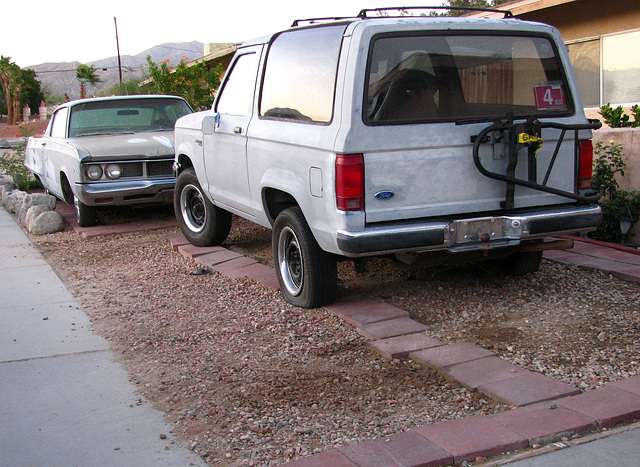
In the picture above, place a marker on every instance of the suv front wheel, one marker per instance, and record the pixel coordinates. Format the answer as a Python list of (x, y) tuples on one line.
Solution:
[(201, 222), (308, 275)]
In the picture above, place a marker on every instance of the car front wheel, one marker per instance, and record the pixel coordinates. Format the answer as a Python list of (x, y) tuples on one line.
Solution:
[(86, 214), (308, 275), (201, 222)]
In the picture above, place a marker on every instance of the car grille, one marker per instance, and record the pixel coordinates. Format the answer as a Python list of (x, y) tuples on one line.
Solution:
[(147, 169)]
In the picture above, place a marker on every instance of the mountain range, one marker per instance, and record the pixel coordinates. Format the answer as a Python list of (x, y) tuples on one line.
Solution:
[(59, 78)]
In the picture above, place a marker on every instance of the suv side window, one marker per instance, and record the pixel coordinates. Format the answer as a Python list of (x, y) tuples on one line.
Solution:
[(236, 98), (300, 76)]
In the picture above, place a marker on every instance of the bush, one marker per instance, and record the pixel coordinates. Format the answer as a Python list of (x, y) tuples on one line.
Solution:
[(12, 164), (615, 203), (616, 118)]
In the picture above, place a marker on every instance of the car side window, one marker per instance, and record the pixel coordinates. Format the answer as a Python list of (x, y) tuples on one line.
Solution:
[(59, 126), (236, 97), (300, 75)]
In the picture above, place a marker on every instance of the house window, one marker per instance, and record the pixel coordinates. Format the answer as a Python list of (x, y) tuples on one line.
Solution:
[(608, 69)]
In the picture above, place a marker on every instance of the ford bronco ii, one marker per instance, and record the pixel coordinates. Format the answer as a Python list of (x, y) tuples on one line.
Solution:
[(431, 140)]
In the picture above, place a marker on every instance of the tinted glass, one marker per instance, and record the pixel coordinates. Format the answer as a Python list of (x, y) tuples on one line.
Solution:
[(237, 95), (126, 116), (422, 78), (300, 75)]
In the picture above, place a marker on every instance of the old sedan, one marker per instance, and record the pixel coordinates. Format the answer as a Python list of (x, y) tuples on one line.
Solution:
[(108, 151)]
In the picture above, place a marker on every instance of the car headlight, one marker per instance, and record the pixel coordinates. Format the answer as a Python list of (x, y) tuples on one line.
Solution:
[(113, 171), (93, 172)]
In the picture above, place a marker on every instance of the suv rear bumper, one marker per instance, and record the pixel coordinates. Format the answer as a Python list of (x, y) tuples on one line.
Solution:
[(469, 234)]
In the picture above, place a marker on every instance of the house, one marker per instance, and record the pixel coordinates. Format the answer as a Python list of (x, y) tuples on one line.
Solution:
[(603, 39)]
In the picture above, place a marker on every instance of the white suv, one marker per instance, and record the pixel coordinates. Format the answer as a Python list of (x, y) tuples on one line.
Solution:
[(419, 138)]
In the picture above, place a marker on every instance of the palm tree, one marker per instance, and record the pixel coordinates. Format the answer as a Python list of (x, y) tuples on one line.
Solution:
[(9, 74), (86, 74)]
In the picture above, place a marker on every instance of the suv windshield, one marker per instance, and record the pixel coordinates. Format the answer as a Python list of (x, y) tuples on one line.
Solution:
[(460, 77), (125, 116)]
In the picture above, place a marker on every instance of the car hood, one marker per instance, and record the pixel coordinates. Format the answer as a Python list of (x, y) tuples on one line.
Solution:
[(145, 145)]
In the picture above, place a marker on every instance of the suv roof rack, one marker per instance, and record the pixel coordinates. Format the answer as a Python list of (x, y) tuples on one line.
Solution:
[(363, 13)]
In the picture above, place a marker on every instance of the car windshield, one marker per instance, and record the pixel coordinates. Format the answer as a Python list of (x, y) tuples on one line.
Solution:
[(125, 116), (462, 78)]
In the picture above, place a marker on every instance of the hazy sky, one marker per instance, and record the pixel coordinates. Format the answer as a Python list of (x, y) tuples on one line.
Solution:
[(68, 30)]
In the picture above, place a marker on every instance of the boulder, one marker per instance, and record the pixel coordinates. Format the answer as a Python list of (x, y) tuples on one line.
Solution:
[(6, 187), (46, 223), (13, 203), (33, 199), (33, 212)]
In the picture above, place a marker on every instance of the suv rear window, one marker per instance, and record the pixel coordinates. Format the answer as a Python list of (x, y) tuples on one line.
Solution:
[(459, 77), (300, 76)]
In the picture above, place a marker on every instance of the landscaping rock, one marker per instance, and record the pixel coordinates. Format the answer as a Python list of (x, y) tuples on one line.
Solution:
[(33, 212), (40, 199), (14, 201), (47, 222), (6, 187)]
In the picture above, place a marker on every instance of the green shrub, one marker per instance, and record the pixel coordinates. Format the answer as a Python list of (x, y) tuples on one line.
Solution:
[(616, 118), (12, 164), (615, 203)]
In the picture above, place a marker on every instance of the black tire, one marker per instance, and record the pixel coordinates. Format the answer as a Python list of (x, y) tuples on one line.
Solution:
[(523, 262), (201, 222), (308, 275), (86, 214)]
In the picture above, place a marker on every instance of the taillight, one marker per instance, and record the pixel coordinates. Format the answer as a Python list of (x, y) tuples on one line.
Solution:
[(585, 164), (350, 182)]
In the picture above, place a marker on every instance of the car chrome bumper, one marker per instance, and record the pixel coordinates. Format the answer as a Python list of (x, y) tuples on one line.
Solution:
[(469, 234), (126, 192)]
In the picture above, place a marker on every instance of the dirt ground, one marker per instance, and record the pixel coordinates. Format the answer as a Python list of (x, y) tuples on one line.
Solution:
[(248, 379), (35, 128)]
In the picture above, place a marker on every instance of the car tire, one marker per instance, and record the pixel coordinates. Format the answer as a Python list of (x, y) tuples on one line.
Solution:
[(86, 214), (523, 262), (201, 222), (308, 275)]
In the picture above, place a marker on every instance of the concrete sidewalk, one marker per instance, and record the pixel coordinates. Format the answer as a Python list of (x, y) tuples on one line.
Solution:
[(63, 399)]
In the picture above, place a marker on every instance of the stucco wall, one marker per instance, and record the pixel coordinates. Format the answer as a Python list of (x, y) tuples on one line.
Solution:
[(629, 138)]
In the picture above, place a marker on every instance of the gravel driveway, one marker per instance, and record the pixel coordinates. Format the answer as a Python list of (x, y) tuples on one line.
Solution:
[(249, 379)]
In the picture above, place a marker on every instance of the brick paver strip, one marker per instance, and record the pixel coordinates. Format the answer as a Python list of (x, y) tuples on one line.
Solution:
[(545, 422), (178, 241), (481, 371), (527, 388), (450, 354), (358, 310), (324, 459), (391, 328), (216, 257), (607, 405), (402, 449), (234, 268), (401, 346), (631, 274), (469, 437), (263, 274), (192, 251), (630, 384)]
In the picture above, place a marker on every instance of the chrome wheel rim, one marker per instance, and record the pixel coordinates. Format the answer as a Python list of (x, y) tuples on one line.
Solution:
[(290, 261), (193, 208)]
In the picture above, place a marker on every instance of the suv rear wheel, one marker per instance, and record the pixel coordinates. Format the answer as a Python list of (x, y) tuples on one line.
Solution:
[(308, 275), (201, 222)]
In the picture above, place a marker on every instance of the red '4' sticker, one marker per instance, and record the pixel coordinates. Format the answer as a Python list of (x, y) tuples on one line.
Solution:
[(550, 97)]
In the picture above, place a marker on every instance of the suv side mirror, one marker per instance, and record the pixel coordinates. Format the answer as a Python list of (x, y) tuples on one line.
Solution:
[(210, 123)]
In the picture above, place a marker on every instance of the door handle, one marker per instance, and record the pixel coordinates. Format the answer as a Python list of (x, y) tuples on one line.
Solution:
[(237, 130)]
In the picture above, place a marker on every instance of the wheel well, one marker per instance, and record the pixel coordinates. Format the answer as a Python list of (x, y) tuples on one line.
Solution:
[(184, 162), (67, 193), (277, 201)]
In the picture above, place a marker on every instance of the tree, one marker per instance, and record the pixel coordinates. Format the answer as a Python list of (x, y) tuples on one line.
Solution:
[(86, 74), (472, 4), (11, 80), (194, 82), (32, 94)]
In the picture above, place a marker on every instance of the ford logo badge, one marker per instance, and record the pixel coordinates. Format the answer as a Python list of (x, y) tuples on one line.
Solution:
[(384, 195)]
